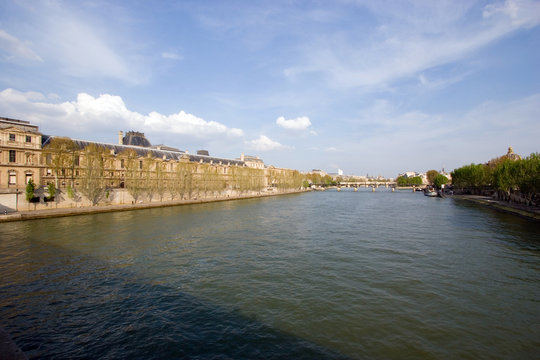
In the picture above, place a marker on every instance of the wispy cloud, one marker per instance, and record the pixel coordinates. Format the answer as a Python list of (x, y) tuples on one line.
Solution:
[(428, 35), (264, 143), (444, 140), (15, 48), (172, 55), (75, 43)]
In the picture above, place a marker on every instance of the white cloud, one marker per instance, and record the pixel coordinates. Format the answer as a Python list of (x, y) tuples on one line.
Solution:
[(16, 48), (264, 143), (300, 123), (105, 113)]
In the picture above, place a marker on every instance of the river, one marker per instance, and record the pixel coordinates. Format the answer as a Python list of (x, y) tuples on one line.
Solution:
[(322, 275)]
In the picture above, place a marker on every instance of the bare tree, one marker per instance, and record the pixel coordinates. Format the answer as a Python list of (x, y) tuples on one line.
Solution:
[(60, 154), (93, 180), (132, 174)]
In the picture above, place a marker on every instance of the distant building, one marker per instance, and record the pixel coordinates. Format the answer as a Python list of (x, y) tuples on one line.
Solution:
[(135, 138), (319, 172), (252, 161), (511, 155)]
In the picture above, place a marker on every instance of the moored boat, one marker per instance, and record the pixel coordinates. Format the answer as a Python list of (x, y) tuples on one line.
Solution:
[(430, 192)]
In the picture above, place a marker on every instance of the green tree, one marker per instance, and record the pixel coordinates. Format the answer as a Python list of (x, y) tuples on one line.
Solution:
[(473, 176), (52, 191), (30, 188), (440, 180), (70, 192), (431, 174), (409, 181)]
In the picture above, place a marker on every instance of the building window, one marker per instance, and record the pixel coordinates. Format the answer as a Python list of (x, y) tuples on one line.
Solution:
[(28, 139), (28, 178), (140, 164), (121, 163), (48, 159), (12, 178), (11, 137), (77, 160), (12, 156), (49, 172)]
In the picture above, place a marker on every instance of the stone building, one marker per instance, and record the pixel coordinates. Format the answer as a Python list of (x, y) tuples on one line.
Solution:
[(511, 155), (88, 172), (20, 154)]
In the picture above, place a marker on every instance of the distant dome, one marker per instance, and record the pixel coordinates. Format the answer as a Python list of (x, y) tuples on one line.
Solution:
[(136, 139), (511, 155)]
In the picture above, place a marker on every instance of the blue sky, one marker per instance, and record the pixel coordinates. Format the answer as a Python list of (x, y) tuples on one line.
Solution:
[(369, 87)]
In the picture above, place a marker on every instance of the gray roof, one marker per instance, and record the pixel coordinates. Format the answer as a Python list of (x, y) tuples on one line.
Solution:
[(143, 152), (19, 124)]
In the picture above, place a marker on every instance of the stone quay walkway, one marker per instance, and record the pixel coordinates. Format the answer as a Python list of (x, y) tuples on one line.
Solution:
[(61, 212), (528, 212)]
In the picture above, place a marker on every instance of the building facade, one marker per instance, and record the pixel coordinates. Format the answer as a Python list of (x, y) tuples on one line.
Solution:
[(20, 154), (93, 172)]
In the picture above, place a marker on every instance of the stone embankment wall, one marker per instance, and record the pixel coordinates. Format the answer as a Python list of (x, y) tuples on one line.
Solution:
[(513, 197), (518, 198), (123, 197)]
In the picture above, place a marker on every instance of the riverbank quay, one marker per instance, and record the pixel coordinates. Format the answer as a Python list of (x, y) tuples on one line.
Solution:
[(524, 211), (63, 212)]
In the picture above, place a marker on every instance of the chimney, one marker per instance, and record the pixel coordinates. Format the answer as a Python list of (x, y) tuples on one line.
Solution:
[(120, 138)]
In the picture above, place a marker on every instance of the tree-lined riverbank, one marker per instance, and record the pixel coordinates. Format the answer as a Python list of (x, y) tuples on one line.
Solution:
[(62, 212)]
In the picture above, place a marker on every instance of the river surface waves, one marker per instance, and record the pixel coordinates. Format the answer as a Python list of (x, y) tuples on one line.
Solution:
[(325, 275)]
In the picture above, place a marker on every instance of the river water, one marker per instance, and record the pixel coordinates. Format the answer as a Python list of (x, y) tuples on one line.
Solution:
[(324, 275)]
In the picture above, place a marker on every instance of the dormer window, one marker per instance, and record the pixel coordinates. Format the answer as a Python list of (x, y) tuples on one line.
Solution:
[(11, 137)]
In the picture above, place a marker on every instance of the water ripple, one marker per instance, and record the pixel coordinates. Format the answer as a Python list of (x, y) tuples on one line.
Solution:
[(321, 275)]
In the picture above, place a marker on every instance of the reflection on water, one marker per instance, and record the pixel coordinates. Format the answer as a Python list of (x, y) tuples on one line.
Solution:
[(318, 275)]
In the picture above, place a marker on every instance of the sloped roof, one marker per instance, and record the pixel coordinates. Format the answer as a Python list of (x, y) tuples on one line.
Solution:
[(144, 152), (21, 125)]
